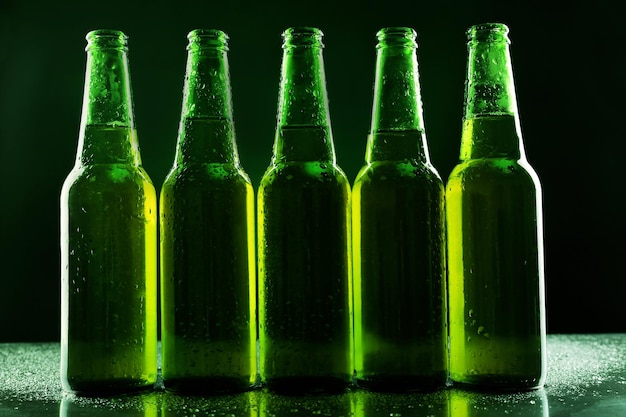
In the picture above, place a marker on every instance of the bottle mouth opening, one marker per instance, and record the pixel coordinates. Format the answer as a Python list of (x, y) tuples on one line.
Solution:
[(106, 38), (488, 32), (396, 36), (207, 38), (302, 36)]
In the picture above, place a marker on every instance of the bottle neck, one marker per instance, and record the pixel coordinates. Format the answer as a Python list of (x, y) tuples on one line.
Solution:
[(397, 130), (107, 131), (491, 127), (303, 132), (206, 132)]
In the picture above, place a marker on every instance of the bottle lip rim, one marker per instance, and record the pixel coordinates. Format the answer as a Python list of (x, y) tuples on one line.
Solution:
[(302, 36), (486, 29), (106, 33), (207, 38), (405, 31), (209, 33), (106, 38), (303, 31), (396, 36)]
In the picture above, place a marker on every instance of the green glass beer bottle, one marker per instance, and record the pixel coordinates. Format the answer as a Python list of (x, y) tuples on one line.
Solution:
[(400, 322), (208, 289), (305, 298), (108, 238), (495, 232)]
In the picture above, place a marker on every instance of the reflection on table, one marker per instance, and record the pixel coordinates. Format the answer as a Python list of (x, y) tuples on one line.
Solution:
[(586, 378)]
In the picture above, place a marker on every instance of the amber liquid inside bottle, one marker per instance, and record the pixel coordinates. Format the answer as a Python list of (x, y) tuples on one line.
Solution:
[(399, 270), (207, 254), (495, 281), (108, 209), (304, 286)]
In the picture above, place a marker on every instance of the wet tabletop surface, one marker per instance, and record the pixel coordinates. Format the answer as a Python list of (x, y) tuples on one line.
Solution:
[(586, 378)]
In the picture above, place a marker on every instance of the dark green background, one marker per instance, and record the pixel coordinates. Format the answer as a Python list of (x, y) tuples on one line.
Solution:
[(570, 75)]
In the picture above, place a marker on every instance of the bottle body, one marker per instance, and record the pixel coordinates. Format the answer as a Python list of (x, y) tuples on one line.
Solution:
[(208, 279), (399, 277), (207, 248), (108, 284), (495, 233), (304, 287), (497, 323)]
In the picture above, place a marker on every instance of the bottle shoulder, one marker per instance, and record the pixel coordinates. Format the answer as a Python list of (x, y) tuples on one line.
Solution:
[(202, 175), (104, 179), (306, 174), (494, 170), (398, 172), (107, 174)]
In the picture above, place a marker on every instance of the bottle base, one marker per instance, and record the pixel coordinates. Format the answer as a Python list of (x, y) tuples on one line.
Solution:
[(402, 383), (107, 388), (306, 385), (207, 385), (497, 384)]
